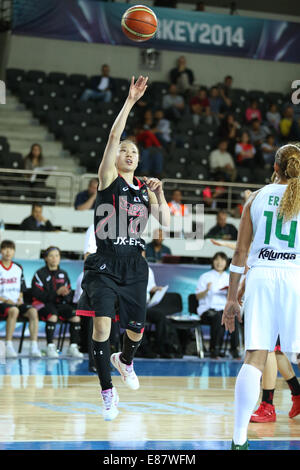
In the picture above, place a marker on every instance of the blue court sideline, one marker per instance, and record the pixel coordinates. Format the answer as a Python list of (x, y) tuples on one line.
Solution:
[(146, 445)]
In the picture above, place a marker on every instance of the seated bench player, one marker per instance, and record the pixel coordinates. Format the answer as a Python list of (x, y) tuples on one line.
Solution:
[(53, 298), (12, 306)]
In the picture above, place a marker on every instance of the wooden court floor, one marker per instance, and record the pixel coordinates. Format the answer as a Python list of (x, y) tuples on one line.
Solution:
[(165, 408)]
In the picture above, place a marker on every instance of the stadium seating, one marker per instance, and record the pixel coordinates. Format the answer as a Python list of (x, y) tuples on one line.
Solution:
[(57, 78), (83, 127), (14, 78)]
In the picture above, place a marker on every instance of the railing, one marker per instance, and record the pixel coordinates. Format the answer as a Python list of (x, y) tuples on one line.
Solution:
[(233, 195), (27, 186)]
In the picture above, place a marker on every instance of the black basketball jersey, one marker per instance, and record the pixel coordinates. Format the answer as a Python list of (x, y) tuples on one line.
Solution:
[(121, 215)]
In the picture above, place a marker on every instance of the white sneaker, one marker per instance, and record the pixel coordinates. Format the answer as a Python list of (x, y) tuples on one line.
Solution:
[(73, 351), (51, 351), (110, 399), (10, 353), (128, 375), (35, 352)]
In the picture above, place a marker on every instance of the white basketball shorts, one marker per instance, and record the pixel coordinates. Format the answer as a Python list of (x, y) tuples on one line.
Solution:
[(272, 308)]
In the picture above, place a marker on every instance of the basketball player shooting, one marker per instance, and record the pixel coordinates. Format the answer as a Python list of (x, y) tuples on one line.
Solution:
[(118, 271)]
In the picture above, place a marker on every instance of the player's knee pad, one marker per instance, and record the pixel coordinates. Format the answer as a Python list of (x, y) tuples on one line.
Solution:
[(136, 327)]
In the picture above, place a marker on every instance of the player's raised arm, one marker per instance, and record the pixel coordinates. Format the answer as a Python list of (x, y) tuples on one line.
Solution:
[(107, 170)]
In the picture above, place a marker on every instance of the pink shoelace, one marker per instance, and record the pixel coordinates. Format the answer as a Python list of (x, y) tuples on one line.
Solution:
[(129, 369), (107, 396)]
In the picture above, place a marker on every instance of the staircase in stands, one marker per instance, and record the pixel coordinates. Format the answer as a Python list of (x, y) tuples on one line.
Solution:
[(22, 130)]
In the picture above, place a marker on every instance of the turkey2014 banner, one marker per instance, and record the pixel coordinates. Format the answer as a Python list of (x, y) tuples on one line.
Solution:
[(100, 22)]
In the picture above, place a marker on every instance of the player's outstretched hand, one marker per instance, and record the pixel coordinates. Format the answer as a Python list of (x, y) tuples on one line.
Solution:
[(216, 242), (231, 310), (138, 88), (154, 184)]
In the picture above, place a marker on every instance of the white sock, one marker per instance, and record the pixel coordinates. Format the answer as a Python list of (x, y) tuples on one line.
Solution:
[(247, 389), (9, 343), (33, 344)]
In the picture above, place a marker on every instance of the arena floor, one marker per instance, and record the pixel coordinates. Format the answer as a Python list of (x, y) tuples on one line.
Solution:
[(181, 404)]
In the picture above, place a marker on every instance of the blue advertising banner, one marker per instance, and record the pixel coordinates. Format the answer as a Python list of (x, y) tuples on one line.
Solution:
[(181, 278), (100, 22)]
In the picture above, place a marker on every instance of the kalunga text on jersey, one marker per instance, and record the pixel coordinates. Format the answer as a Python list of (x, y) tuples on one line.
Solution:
[(273, 255)]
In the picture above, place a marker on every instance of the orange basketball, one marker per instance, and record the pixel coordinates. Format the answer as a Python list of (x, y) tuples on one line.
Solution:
[(139, 23)]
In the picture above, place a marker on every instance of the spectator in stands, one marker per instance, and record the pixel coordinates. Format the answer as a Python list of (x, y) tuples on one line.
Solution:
[(162, 128), (228, 130), (158, 125), (257, 132), (222, 229), (211, 293), (155, 250), (288, 126), (173, 104), (273, 117), (253, 112), (220, 160), (101, 88), (34, 158), (36, 221), (12, 305), (268, 149), (200, 108), (85, 200), (52, 297), (216, 104), (151, 155), (181, 76), (245, 151), (211, 196), (225, 89), (34, 162), (215, 197), (176, 206)]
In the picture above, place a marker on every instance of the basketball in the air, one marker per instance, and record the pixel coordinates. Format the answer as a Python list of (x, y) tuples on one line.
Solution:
[(139, 23)]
